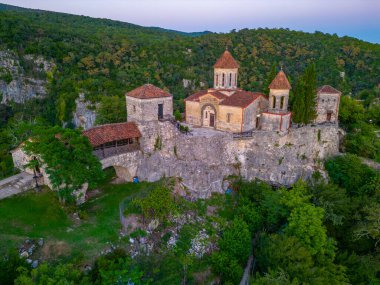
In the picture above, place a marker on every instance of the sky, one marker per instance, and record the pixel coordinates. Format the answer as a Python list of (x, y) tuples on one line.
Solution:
[(356, 18)]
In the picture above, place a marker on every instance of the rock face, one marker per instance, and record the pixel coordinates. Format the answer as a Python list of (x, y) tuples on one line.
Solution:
[(85, 113), (23, 78), (205, 159)]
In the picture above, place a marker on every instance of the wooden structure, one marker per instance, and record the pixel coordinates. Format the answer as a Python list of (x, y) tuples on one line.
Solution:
[(113, 139)]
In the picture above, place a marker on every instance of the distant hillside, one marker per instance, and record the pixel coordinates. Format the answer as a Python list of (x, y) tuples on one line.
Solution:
[(101, 57)]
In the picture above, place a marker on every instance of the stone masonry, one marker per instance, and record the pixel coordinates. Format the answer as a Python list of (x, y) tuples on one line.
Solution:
[(204, 160)]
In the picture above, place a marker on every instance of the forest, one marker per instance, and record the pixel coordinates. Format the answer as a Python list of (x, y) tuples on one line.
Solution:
[(317, 232)]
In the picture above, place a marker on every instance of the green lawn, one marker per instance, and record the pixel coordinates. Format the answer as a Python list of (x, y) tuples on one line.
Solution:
[(36, 215)]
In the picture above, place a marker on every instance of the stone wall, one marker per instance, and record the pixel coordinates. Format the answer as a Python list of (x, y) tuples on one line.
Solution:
[(147, 109), (235, 118), (275, 122), (327, 103), (205, 159)]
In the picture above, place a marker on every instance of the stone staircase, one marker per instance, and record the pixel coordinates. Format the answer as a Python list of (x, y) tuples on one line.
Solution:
[(16, 184)]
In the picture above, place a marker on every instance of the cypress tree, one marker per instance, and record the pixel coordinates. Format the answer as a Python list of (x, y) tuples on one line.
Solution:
[(299, 102), (305, 97), (310, 93), (270, 76)]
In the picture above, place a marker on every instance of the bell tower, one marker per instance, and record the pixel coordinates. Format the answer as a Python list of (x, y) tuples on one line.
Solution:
[(279, 93), (226, 72)]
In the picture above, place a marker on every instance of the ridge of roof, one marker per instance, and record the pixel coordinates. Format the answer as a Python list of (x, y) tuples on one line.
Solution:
[(280, 82), (148, 91), (328, 89), (226, 60)]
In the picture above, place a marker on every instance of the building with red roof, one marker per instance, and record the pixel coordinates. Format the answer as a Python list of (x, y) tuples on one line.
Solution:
[(111, 139), (328, 100), (226, 107), (149, 103)]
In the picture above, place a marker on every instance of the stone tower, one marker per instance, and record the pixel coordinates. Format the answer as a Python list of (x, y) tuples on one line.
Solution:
[(277, 118), (226, 72), (279, 94)]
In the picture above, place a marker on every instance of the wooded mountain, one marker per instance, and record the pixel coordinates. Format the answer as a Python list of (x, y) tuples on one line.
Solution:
[(106, 58)]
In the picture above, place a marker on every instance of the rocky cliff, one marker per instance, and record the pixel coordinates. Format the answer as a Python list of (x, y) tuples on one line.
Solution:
[(207, 157), (84, 115), (23, 78)]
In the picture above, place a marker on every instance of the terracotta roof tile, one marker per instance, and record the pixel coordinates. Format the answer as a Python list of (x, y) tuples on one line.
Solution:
[(280, 82), (148, 91), (111, 132), (328, 89), (226, 61), (195, 97), (241, 99)]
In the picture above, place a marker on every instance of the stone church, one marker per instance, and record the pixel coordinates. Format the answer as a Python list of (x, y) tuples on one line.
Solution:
[(227, 107)]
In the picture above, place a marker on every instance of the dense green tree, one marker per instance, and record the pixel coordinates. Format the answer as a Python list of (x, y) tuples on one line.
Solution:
[(270, 76), (350, 112), (9, 267), (111, 110), (350, 173), (67, 158), (159, 204), (305, 97), (46, 274), (298, 102), (306, 223)]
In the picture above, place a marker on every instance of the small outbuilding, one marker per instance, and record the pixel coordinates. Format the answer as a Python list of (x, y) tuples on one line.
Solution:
[(149, 103), (327, 104)]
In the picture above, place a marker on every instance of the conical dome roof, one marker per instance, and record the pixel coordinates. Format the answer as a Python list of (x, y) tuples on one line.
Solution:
[(226, 61), (280, 82)]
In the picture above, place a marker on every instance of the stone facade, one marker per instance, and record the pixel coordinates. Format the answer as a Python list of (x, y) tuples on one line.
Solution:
[(148, 109), (225, 78), (228, 108), (275, 122), (328, 101)]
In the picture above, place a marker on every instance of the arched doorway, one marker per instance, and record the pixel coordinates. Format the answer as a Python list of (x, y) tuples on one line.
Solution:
[(208, 116)]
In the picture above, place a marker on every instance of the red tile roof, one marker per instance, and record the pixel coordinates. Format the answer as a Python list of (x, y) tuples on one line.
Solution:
[(148, 91), (195, 97), (328, 89), (280, 82), (241, 99), (111, 132), (226, 61)]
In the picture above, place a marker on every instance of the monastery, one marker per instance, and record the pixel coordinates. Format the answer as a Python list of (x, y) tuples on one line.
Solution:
[(150, 145), (227, 107)]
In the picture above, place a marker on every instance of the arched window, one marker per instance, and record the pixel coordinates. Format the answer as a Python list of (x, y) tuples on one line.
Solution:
[(217, 80), (230, 83), (274, 102), (223, 79)]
